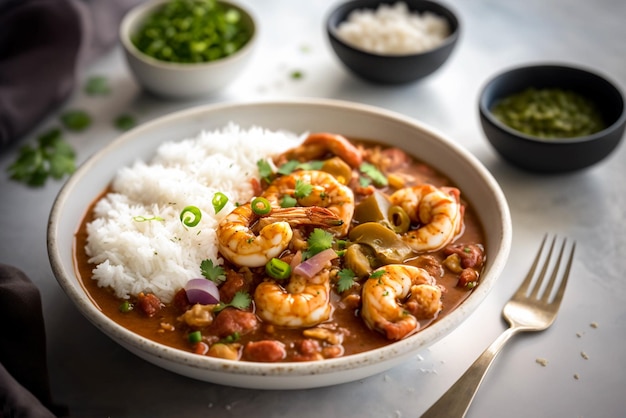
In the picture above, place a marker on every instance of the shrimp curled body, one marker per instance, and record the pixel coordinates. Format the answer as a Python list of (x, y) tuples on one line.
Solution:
[(396, 297), (302, 303), (320, 144), (437, 210), (327, 192), (239, 244)]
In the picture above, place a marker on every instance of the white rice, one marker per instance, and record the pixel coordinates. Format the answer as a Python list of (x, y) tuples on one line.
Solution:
[(393, 30), (161, 255)]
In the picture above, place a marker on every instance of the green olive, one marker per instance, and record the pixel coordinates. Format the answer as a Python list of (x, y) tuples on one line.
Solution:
[(386, 244), (399, 219), (357, 258), (339, 169), (374, 208)]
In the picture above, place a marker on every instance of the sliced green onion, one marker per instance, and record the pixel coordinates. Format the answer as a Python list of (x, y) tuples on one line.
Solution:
[(190, 216), (400, 221), (261, 206), (126, 306), (141, 218), (194, 337), (278, 269), (219, 201)]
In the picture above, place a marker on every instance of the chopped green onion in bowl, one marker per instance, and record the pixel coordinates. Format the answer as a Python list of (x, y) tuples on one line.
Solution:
[(192, 31)]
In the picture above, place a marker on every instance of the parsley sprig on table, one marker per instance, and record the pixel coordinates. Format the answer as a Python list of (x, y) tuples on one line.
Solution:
[(75, 120), (51, 156)]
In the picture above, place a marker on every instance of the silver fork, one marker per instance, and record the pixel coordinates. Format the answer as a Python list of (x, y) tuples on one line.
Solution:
[(529, 309)]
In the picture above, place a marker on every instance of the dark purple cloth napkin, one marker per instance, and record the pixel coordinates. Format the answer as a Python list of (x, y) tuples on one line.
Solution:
[(43, 46), (24, 384)]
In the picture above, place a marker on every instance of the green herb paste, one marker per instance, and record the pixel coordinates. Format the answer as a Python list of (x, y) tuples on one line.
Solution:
[(549, 113)]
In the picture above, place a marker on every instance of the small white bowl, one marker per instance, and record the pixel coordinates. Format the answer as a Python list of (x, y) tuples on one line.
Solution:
[(183, 80), (298, 116)]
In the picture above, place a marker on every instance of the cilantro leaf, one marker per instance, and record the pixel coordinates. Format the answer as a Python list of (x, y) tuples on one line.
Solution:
[(212, 272), (76, 120), (50, 157), (124, 122), (311, 165), (346, 280), (288, 202), (265, 170), (302, 189), (319, 240), (374, 174), (293, 165), (377, 274), (61, 162), (97, 86), (288, 167), (241, 300)]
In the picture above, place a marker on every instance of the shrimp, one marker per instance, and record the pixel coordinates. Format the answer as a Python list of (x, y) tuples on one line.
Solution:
[(302, 303), (385, 292), (326, 192), (240, 243), (439, 212), (320, 144)]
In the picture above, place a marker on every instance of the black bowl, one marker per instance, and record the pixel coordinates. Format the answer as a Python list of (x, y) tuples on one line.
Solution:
[(391, 69), (554, 155)]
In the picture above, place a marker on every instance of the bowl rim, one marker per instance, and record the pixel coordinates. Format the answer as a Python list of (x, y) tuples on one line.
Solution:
[(141, 10), (452, 38), (587, 71), (399, 349)]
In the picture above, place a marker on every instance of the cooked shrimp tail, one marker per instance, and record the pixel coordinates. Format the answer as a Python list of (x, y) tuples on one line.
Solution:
[(302, 216), (326, 193)]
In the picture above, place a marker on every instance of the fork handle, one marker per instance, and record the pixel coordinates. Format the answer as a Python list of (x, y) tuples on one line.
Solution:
[(456, 401)]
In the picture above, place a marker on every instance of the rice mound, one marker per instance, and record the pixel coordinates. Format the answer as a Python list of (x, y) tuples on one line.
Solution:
[(394, 30), (137, 239)]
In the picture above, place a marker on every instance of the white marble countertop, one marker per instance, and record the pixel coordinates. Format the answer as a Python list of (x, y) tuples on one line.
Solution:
[(97, 378)]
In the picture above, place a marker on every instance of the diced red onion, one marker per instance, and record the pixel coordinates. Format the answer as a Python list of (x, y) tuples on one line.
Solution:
[(202, 291), (315, 264)]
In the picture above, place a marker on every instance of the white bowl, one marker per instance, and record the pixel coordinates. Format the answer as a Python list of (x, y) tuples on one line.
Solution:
[(182, 81), (298, 116)]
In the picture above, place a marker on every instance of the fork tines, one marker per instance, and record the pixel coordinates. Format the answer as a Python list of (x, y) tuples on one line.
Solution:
[(540, 289)]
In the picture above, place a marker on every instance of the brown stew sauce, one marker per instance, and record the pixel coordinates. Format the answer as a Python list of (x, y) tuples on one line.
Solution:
[(166, 329)]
